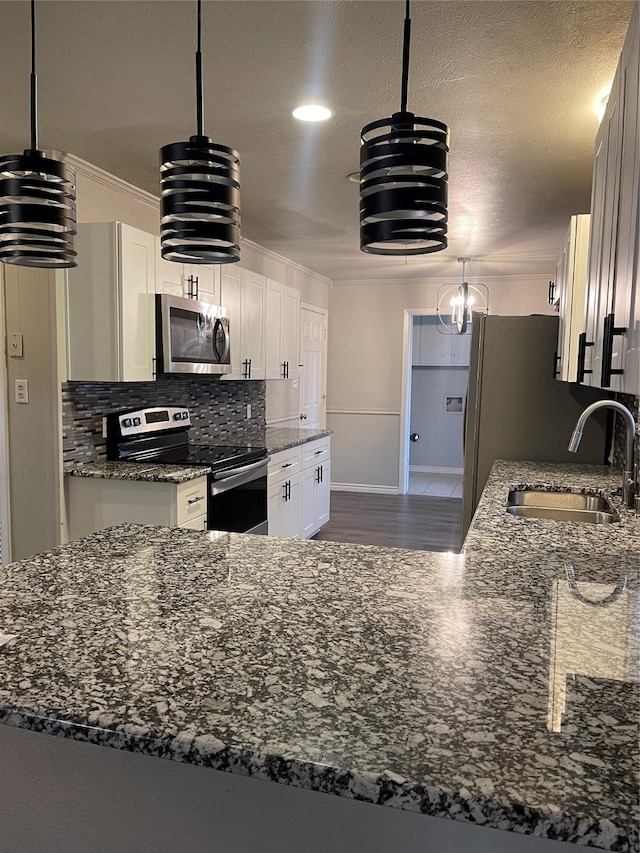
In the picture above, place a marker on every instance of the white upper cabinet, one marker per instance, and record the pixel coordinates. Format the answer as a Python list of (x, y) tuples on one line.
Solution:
[(110, 304), (283, 331), (613, 280), (571, 285), (194, 281), (244, 295), (435, 348)]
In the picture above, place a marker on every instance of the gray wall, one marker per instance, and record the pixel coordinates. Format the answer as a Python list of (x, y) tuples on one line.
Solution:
[(440, 444), (364, 371)]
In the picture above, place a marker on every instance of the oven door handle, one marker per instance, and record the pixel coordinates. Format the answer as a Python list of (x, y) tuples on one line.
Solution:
[(231, 472)]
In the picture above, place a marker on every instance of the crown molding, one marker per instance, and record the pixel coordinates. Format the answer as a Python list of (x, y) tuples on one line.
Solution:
[(107, 179), (433, 279), (112, 181)]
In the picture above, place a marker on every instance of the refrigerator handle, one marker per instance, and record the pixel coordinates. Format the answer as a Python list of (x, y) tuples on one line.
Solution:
[(556, 359)]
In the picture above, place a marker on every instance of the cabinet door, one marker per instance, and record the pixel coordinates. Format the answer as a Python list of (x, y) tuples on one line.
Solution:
[(593, 326), (137, 309), (252, 334), (291, 509), (231, 299), (291, 332), (308, 487), (435, 348), (275, 301), (460, 349), (206, 282), (323, 495), (627, 347), (170, 277)]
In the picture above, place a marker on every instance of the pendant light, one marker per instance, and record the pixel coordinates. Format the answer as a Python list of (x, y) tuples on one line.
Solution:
[(199, 193), (403, 178), (455, 304), (37, 199)]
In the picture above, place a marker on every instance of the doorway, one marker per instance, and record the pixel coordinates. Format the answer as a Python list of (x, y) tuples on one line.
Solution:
[(435, 378)]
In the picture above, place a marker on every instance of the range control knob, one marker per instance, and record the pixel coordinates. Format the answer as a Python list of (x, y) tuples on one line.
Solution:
[(137, 421), (177, 416), (126, 422)]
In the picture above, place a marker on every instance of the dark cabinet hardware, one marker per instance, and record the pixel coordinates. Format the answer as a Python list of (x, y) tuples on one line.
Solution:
[(192, 290), (610, 332), (319, 474), (583, 343), (246, 368), (286, 370), (556, 362), (284, 492), (552, 292), (249, 368), (303, 417), (286, 464), (288, 488), (318, 452)]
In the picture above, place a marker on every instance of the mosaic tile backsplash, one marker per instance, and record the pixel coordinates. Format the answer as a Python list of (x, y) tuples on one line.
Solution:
[(217, 408), (620, 436)]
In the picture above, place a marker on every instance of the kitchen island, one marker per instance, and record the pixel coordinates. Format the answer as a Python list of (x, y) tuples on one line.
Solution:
[(431, 684)]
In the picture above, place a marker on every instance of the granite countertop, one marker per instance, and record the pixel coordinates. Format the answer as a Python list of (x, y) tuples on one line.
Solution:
[(273, 439), (485, 687)]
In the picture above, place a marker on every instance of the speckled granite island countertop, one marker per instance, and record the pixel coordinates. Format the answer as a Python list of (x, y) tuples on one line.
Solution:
[(485, 687), (273, 439)]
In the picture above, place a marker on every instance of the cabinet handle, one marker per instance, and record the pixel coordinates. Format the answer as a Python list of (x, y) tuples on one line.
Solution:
[(583, 343), (286, 370), (322, 473), (286, 464), (153, 367), (194, 500), (303, 417), (192, 292), (556, 360), (552, 292), (248, 368), (318, 452), (317, 474), (610, 331), (284, 492)]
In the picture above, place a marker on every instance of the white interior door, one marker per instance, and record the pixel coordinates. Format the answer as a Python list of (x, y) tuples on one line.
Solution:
[(313, 357)]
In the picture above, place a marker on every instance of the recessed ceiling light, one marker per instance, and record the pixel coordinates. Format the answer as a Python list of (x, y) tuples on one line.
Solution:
[(312, 112)]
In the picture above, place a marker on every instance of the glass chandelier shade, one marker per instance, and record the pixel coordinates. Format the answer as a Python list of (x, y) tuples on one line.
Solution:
[(403, 178), (37, 200), (199, 194)]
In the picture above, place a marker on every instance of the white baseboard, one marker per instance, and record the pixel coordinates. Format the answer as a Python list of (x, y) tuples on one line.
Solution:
[(364, 487), (430, 469)]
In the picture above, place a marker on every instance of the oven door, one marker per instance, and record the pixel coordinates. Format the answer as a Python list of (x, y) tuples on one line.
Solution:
[(191, 336), (238, 499)]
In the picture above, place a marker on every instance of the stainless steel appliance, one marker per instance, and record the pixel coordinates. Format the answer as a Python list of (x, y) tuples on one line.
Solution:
[(515, 407), (191, 336), (237, 484)]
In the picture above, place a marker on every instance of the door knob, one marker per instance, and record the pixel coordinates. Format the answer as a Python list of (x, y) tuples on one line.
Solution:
[(414, 436)]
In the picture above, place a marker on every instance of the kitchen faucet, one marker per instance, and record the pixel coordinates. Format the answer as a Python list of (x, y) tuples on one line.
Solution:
[(630, 486)]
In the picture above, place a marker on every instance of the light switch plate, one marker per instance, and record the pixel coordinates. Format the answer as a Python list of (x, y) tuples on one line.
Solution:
[(22, 391), (14, 344)]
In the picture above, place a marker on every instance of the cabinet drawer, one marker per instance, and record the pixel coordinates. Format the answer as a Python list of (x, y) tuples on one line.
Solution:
[(191, 500), (284, 464), (315, 452)]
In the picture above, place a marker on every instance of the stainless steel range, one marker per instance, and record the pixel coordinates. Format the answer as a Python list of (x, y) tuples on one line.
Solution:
[(237, 484)]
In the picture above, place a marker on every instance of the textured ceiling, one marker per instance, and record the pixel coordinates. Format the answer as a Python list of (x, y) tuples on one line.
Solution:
[(515, 81)]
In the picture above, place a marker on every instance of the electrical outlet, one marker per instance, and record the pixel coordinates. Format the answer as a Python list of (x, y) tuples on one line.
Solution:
[(22, 391), (249, 411)]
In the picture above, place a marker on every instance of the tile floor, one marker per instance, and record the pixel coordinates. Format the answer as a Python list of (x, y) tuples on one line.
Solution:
[(435, 485)]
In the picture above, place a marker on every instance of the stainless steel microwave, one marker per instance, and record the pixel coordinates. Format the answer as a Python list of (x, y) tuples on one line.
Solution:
[(191, 336)]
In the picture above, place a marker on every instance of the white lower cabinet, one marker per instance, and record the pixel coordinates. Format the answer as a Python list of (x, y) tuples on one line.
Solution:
[(96, 503), (299, 490)]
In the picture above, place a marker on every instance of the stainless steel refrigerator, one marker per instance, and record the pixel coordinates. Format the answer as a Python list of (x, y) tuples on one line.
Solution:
[(515, 408)]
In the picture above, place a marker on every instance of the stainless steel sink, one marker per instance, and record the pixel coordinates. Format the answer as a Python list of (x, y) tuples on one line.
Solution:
[(590, 508)]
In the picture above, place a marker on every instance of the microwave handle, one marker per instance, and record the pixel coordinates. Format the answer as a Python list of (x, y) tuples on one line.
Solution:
[(222, 357)]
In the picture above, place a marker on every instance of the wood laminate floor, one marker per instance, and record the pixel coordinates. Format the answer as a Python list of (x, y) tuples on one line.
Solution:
[(402, 521)]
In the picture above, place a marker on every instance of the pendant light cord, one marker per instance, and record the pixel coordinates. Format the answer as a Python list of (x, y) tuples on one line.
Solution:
[(406, 44), (34, 81), (199, 105)]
